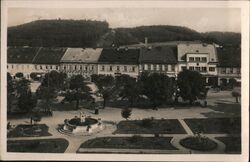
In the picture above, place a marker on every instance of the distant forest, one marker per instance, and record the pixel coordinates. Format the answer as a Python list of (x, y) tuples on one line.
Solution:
[(88, 33)]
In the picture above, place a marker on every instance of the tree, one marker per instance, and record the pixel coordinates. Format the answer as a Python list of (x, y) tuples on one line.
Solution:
[(129, 88), (22, 86), (47, 94), (19, 75), (191, 85), (126, 113), (80, 89), (10, 90), (26, 102), (54, 79), (106, 86), (157, 87)]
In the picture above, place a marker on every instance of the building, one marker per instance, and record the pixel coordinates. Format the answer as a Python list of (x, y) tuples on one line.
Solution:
[(80, 61), (48, 59), (201, 57), (159, 59), (19, 59), (119, 61), (229, 67)]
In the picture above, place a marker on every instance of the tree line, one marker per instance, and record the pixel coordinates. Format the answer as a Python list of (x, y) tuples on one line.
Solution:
[(88, 33)]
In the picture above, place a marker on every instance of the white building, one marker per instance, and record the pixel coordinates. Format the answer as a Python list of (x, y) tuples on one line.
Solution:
[(80, 61), (119, 61)]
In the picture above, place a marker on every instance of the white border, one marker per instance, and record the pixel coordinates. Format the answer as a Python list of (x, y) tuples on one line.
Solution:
[(244, 5)]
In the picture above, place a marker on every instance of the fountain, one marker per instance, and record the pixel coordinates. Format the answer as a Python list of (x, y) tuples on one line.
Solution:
[(82, 125)]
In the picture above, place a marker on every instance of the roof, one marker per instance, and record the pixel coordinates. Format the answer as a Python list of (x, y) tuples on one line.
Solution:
[(160, 55), (49, 55), (229, 56), (199, 48), (23, 55), (120, 56), (82, 55)]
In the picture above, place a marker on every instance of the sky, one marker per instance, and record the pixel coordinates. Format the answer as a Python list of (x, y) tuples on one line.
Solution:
[(199, 19)]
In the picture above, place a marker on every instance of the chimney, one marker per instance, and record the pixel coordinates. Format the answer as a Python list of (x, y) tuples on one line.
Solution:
[(146, 41)]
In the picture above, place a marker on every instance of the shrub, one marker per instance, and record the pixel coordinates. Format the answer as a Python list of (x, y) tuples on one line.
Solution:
[(147, 122), (126, 113), (134, 138), (19, 75)]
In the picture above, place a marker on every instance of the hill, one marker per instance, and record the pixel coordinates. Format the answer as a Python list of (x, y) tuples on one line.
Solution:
[(88, 33)]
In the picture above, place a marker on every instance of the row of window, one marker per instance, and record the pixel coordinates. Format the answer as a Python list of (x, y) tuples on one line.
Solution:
[(230, 71), (78, 67), (156, 67), (46, 67), (197, 59), (197, 68), (17, 66), (118, 68)]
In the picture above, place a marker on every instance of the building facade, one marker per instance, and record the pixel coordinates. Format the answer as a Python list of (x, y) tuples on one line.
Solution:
[(119, 61), (159, 59), (81, 61)]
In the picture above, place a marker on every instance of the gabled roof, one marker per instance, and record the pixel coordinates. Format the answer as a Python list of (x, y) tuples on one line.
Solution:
[(229, 56), (159, 55), (77, 55), (120, 56), (49, 55), (23, 55)]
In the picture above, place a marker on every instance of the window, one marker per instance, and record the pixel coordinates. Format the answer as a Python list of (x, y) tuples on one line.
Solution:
[(86, 68), (149, 67), (125, 68), (191, 58), (183, 68), (172, 68), (191, 68), (41, 67), (154, 67), (238, 70), (160, 67), (103, 68), (197, 68), (75, 67), (56, 67), (197, 50), (133, 69), (46, 67), (64, 67), (7, 66), (204, 69), (145, 67), (12, 66), (92, 67), (35, 66), (80, 67), (223, 70), (197, 59), (204, 59), (118, 68), (231, 70), (211, 68), (110, 68)]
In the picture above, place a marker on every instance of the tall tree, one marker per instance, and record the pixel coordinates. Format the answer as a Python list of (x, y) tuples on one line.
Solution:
[(26, 102), (191, 85), (22, 86), (54, 79), (10, 90), (80, 89), (46, 94), (106, 86), (157, 87)]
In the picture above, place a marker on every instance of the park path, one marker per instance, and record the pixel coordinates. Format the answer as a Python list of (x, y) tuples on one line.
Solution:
[(114, 115)]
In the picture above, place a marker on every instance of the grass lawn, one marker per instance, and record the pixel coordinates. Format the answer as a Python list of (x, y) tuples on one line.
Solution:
[(225, 110), (58, 145), (148, 126), (35, 130), (135, 142), (215, 125), (233, 144)]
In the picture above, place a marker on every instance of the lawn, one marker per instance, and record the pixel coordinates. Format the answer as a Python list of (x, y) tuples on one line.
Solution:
[(38, 146), (35, 130), (149, 126), (215, 125), (233, 144), (224, 110), (134, 142)]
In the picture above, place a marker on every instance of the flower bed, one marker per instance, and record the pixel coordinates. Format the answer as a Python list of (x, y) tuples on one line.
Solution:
[(196, 143)]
